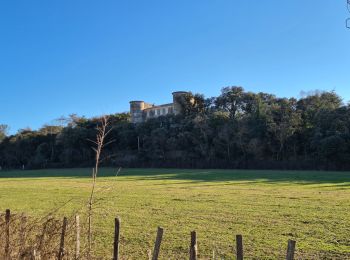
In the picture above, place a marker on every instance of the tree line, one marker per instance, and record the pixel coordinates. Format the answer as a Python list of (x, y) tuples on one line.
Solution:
[(237, 129)]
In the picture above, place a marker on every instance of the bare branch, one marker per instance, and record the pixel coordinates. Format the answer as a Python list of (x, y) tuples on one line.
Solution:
[(102, 132)]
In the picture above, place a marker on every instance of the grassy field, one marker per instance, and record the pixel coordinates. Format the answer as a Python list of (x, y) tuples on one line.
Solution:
[(266, 207)]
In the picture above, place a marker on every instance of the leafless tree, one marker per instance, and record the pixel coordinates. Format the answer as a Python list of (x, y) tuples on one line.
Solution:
[(103, 129)]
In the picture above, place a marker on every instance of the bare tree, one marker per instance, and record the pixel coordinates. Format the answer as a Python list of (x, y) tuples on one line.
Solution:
[(4, 130), (103, 129)]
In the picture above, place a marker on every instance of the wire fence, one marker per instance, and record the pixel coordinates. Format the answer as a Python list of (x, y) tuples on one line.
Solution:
[(49, 238)]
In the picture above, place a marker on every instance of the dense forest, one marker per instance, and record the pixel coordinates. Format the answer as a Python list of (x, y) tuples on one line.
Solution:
[(237, 129)]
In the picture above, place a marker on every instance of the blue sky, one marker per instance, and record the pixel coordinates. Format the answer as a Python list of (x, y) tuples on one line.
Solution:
[(92, 57)]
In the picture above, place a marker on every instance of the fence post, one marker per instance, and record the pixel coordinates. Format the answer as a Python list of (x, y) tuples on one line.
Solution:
[(193, 247), (42, 236), (239, 247), (116, 238), (77, 237), (157, 243), (61, 250), (22, 235), (290, 250), (7, 233)]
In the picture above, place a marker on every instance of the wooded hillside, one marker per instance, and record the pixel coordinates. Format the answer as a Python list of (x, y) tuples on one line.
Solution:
[(237, 129)]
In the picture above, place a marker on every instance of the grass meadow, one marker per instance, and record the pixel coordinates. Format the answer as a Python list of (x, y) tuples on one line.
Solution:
[(266, 207)]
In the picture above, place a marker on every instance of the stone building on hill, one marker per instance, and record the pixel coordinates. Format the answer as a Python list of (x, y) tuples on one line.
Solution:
[(141, 111)]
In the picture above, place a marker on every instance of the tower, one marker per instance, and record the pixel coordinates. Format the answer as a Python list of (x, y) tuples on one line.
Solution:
[(136, 108)]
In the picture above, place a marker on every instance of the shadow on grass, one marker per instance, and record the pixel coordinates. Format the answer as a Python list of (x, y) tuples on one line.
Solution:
[(258, 176)]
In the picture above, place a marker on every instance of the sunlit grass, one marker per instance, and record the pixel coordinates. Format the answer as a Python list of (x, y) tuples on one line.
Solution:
[(266, 207)]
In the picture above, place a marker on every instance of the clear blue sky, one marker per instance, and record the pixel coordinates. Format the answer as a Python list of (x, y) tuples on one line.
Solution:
[(92, 57)]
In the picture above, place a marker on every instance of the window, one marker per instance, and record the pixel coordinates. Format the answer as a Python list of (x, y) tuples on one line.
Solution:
[(164, 112), (158, 112)]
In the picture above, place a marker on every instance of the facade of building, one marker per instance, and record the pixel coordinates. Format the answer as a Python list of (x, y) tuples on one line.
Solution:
[(141, 111)]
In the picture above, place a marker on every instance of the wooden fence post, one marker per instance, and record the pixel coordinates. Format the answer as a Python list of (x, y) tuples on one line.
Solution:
[(239, 247), (157, 243), (290, 250), (193, 247), (61, 249), (22, 235), (7, 233), (42, 237), (77, 237), (116, 238)]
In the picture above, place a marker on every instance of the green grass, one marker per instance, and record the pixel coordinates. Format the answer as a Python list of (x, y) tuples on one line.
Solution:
[(266, 207)]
